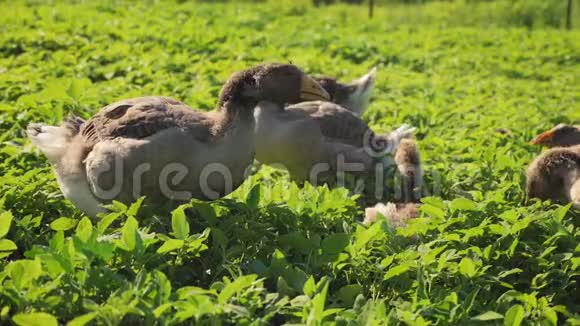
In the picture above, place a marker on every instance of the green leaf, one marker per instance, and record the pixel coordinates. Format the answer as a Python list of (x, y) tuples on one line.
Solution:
[(433, 211), (236, 286), (57, 242), (295, 277), (163, 285), (489, 315), (310, 287), (84, 229), (5, 221), (452, 298), (24, 271), (205, 210), (63, 224), (510, 216), (551, 316), (509, 272), (82, 319), (467, 267), (7, 245), (170, 245), (160, 310), (179, 223), (134, 208), (192, 291), (348, 293), (463, 204), (76, 88), (106, 221), (335, 243), (35, 319), (278, 263), (253, 197), (434, 201), (4, 312), (130, 234), (117, 206), (318, 303), (387, 261), (283, 288), (395, 271), (56, 91), (497, 229), (364, 236), (561, 212), (514, 315), (295, 240)]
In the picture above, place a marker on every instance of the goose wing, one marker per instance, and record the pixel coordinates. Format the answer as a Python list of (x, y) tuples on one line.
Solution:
[(142, 117), (336, 123)]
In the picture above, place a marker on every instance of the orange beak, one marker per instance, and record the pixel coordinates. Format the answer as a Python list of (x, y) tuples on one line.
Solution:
[(543, 138), (310, 90)]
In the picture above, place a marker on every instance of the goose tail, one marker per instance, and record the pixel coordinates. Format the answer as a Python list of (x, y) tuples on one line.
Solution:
[(53, 141), (408, 162), (389, 143)]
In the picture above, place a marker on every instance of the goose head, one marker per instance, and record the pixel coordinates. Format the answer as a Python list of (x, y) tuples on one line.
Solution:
[(354, 96), (276, 83), (562, 135)]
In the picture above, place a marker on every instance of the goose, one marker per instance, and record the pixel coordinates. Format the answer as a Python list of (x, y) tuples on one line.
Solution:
[(555, 174), (160, 148), (317, 139), (561, 135), (354, 96), (396, 214)]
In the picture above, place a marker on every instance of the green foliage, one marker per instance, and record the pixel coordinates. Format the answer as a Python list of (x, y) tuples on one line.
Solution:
[(272, 252)]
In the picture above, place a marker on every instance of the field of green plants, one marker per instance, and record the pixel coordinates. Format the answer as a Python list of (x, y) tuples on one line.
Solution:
[(273, 252)]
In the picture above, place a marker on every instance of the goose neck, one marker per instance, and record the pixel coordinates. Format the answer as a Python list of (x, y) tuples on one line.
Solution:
[(233, 117)]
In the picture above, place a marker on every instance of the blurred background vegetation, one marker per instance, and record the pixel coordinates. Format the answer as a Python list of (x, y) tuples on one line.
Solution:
[(500, 13)]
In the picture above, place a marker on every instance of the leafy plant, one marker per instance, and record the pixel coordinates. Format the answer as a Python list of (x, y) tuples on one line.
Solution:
[(273, 252)]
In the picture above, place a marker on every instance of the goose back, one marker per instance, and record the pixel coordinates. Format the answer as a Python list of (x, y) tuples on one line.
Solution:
[(142, 117), (336, 123)]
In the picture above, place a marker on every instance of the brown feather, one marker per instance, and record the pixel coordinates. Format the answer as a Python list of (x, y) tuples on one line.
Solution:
[(408, 162), (337, 123), (143, 117), (547, 173)]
